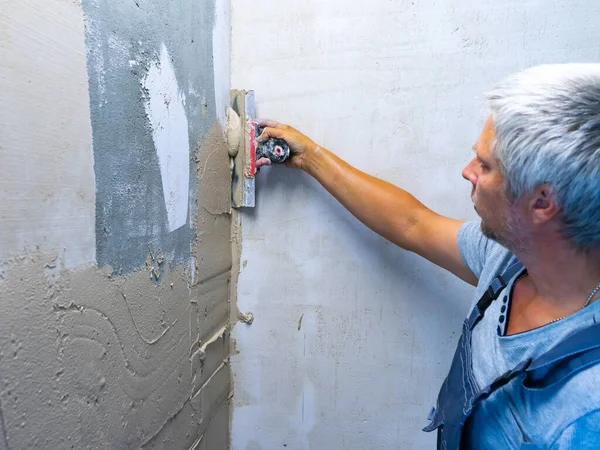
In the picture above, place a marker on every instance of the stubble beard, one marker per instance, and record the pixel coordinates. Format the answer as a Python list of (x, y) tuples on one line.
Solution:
[(509, 233)]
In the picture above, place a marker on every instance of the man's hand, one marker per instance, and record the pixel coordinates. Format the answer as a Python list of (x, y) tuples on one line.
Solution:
[(300, 145)]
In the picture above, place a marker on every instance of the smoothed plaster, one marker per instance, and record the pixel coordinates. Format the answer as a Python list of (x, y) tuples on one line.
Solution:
[(46, 170), (396, 89)]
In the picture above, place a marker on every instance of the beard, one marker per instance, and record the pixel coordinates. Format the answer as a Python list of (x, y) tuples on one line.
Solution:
[(508, 232), (490, 233)]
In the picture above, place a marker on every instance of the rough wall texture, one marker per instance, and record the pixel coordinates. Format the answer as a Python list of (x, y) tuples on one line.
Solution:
[(115, 250), (353, 337)]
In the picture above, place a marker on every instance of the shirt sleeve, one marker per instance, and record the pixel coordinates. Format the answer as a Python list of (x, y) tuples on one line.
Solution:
[(583, 434), (473, 247)]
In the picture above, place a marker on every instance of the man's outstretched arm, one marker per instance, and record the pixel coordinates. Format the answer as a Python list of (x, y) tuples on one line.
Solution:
[(386, 209)]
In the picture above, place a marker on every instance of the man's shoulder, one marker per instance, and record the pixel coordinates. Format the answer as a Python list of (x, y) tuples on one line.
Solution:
[(485, 257)]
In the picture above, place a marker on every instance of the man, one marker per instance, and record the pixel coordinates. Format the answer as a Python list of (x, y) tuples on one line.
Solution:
[(525, 373)]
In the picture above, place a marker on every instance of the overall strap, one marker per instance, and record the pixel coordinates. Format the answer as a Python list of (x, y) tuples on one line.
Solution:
[(575, 353), (493, 291)]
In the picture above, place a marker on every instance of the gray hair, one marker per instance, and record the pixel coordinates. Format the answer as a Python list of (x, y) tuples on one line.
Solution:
[(547, 123)]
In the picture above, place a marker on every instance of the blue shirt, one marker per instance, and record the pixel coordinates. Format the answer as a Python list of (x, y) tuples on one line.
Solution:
[(564, 416)]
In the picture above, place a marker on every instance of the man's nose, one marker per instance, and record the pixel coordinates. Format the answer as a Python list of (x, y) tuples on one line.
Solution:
[(469, 173)]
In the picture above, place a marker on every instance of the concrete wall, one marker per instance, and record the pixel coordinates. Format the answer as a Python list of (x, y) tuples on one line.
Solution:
[(115, 253), (352, 337)]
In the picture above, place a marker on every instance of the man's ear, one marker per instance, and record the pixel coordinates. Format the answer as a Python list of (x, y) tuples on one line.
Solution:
[(542, 204)]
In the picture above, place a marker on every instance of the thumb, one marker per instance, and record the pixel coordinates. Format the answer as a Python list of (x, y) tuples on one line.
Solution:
[(270, 133)]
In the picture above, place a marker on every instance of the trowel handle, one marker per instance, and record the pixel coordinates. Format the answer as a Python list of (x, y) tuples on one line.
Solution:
[(276, 150)]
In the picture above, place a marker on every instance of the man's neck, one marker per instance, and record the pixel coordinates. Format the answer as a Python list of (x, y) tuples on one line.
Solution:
[(560, 278)]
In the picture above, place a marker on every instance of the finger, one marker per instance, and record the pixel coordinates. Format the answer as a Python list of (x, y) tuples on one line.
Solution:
[(263, 162), (270, 124), (269, 133)]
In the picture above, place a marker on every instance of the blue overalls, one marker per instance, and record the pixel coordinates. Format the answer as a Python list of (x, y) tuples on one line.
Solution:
[(460, 394)]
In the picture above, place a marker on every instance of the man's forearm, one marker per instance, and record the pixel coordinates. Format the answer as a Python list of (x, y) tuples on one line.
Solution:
[(383, 207)]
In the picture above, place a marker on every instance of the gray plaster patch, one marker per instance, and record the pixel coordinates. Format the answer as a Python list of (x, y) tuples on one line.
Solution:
[(92, 360), (123, 39)]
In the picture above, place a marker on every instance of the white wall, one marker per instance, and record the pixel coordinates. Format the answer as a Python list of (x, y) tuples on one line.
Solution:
[(395, 88), (47, 185)]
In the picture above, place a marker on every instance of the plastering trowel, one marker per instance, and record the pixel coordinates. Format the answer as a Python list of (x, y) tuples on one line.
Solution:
[(245, 150)]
